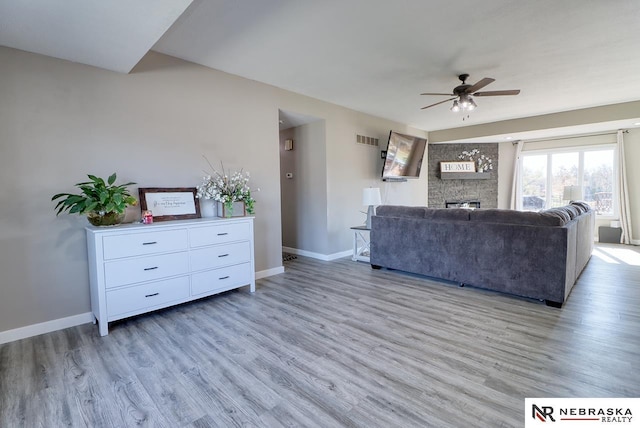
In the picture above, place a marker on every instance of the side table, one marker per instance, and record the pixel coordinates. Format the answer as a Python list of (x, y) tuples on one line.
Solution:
[(361, 243)]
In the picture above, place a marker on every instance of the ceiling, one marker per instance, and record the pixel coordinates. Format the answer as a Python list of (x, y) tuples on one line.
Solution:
[(372, 56)]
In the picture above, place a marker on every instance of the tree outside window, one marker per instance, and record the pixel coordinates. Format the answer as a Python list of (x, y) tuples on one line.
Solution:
[(545, 175)]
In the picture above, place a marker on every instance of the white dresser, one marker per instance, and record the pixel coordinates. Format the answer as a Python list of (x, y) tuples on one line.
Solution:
[(137, 268)]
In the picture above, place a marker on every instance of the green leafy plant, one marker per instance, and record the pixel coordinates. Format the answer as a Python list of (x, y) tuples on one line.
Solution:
[(97, 196)]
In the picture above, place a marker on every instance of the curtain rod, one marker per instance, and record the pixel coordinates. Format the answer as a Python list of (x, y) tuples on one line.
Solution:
[(568, 137)]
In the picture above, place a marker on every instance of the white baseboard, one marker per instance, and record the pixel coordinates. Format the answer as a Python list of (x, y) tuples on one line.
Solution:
[(324, 257), (74, 320), (45, 327), (269, 272), (340, 255), (633, 241)]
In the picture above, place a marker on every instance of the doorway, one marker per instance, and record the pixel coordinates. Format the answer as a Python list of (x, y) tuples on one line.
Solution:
[(302, 184)]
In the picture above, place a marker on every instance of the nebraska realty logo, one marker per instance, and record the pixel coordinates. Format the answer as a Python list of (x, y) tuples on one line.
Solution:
[(582, 412)]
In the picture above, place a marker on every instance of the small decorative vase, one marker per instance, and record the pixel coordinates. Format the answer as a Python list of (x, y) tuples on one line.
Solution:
[(105, 219), (207, 208)]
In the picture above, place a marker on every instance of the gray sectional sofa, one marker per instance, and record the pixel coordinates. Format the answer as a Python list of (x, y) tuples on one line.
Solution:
[(531, 254)]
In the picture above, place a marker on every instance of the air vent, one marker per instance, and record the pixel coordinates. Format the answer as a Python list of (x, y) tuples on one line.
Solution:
[(367, 141)]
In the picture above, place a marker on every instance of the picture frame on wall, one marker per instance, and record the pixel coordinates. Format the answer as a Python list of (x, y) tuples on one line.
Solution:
[(170, 203)]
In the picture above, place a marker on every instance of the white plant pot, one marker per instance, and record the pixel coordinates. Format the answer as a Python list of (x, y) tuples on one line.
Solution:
[(207, 208)]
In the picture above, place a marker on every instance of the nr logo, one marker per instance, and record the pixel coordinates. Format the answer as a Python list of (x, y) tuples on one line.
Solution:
[(542, 413)]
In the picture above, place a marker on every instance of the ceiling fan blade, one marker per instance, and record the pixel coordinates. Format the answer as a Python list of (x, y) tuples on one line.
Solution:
[(441, 102), (441, 95), (481, 84), (494, 93)]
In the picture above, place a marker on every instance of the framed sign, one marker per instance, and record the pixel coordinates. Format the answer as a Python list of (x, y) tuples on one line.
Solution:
[(457, 167), (170, 203)]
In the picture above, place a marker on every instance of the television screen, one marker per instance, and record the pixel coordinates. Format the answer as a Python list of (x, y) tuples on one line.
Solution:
[(404, 156)]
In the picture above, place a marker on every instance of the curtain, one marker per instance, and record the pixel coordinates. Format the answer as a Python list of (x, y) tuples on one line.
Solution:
[(623, 193), (516, 188)]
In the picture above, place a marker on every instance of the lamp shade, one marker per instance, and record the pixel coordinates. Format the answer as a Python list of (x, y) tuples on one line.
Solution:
[(371, 196), (572, 193)]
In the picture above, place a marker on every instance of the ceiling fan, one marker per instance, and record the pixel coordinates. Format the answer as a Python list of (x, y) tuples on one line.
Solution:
[(463, 94)]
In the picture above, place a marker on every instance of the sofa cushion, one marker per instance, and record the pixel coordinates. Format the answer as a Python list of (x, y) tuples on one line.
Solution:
[(559, 213), (459, 214), (400, 211), (527, 218), (572, 210), (582, 206), (423, 212)]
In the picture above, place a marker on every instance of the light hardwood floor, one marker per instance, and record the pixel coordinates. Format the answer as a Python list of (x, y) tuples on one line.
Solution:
[(336, 344)]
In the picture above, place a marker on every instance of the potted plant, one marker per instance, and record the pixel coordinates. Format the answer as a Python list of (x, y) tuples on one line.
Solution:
[(103, 202)]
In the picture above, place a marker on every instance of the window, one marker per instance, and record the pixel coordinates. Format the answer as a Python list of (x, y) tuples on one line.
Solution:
[(546, 174), (534, 182), (598, 181)]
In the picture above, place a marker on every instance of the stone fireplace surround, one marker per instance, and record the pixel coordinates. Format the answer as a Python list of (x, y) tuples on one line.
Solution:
[(453, 190)]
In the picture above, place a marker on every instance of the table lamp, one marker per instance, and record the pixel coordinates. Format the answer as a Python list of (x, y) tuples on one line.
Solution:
[(371, 197), (572, 193)]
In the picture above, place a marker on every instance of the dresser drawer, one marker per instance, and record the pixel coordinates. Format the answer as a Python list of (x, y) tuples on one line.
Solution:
[(140, 297), (140, 244), (219, 234), (130, 271), (221, 255), (220, 279)]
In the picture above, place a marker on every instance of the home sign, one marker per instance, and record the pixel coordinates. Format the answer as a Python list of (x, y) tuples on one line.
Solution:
[(457, 167)]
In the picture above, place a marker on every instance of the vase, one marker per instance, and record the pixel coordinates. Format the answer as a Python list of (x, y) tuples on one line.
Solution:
[(207, 208), (105, 219), (233, 209)]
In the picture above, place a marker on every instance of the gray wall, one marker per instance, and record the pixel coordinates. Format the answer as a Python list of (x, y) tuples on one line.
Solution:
[(304, 197), (60, 120), (440, 191), (288, 194)]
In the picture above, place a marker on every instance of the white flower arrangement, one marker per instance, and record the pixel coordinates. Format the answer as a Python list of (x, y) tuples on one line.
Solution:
[(483, 163), (227, 188)]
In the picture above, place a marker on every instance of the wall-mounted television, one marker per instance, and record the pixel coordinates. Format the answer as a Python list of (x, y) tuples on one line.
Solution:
[(404, 156)]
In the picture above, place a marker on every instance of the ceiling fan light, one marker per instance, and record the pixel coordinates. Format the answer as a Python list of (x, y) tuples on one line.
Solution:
[(472, 105), (455, 108)]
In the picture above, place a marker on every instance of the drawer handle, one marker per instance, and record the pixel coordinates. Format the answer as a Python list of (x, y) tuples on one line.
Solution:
[(224, 277), (151, 295), (150, 243), (151, 268), (223, 255), (222, 234)]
